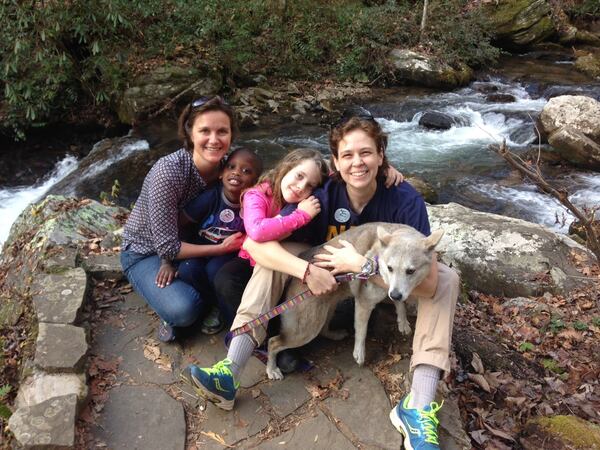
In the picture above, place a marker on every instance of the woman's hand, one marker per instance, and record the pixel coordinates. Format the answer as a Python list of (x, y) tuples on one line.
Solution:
[(393, 177), (311, 206), (340, 260), (166, 274), (232, 243)]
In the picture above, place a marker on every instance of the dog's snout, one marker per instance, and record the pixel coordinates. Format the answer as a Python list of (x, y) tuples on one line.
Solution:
[(396, 295)]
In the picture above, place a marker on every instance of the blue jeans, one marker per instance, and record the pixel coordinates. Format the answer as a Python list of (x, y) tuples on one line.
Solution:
[(178, 304)]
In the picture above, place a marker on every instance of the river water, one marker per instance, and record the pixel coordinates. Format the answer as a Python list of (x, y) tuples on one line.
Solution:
[(457, 162)]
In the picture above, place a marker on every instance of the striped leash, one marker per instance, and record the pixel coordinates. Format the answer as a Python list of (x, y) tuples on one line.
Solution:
[(263, 319)]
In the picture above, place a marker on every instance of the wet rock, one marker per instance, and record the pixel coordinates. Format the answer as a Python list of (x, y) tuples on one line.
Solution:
[(42, 386), (500, 98), (103, 266), (426, 190), (149, 91), (58, 298), (557, 91), (505, 256), (519, 23), (589, 64), (422, 70), (47, 425), (560, 432), (571, 35), (141, 417), (435, 120), (572, 124), (60, 348)]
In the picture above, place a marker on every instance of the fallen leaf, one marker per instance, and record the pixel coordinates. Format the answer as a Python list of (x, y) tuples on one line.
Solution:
[(216, 437), (480, 381), (499, 433), (477, 363)]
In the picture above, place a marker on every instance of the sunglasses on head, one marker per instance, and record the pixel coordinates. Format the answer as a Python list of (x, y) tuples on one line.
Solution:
[(347, 115), (205, 99)]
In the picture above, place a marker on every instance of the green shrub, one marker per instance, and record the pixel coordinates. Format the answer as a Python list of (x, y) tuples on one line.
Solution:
[(57, 56)]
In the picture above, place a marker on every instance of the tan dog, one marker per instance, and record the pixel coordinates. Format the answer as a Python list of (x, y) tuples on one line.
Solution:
[(404, 257)]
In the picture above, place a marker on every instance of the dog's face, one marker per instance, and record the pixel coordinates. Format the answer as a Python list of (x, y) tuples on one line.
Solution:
[(405, 259)]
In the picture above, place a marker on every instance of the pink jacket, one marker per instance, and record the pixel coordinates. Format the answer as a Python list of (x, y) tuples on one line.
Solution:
[(260, 225)]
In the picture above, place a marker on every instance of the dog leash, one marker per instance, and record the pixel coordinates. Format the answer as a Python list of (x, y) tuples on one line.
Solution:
[(264, 318)]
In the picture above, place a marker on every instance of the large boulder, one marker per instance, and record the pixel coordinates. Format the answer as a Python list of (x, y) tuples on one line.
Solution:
[(572, 124), (150, 90), (504, 256), (423, 70), (50, 227), (519, 23)]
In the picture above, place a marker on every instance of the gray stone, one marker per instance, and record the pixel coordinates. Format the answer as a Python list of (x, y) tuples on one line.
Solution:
[(364, 412), (576, 148), (254, 373), (103, 266), (47, 425), (416, 68), (141, 417), (65, 258), (286, 395), (452, 434), (504, 256), (10, 312), (60, 348), (316, 432), (42, 386), (247, 419), (58, 298)]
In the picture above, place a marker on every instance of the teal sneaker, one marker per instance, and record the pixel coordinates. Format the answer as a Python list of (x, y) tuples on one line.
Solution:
[(419, 426), (215, 384)]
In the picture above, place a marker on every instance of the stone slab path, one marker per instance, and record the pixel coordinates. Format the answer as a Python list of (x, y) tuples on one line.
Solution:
[(141, 404)]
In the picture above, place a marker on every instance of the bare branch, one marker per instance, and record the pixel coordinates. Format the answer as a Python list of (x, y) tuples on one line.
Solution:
[(586, 217)]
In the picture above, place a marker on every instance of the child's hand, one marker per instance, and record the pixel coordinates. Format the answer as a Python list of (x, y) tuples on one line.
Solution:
[(232, 243), (166, 274), (393, 177), (311, 206)]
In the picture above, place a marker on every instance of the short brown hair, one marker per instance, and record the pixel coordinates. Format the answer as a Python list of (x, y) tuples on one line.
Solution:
[(197, 108), (371, 127), (287, 163)]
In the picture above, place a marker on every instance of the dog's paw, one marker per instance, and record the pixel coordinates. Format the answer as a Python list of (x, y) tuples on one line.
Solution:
[(359, 355), (274, 374), (404, 327), (335, 335)]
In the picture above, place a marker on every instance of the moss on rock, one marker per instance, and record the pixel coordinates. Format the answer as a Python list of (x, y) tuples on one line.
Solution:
[(568, 432)]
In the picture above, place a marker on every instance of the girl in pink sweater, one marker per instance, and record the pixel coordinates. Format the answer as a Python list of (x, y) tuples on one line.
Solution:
[(291, 181)]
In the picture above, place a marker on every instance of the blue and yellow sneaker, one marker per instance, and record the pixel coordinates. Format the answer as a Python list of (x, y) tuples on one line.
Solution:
[(215, 384), (419, 426)]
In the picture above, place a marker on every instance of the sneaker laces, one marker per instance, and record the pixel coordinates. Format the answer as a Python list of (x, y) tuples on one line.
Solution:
[(430, 422), (220, 368)]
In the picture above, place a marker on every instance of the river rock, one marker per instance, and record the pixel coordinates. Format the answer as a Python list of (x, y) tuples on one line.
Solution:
[(571, 35), (436, 120), (560, 432), (60, 348), (519, 23), (152, 89), (103, 266), (423, 70), (504, 256), (572, 124), (47, 425), (589, 64), (500, 98), (41, 386), (426, 190)]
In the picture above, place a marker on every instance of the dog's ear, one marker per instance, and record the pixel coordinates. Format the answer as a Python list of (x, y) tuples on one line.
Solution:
[(433, 239), (383, 235)]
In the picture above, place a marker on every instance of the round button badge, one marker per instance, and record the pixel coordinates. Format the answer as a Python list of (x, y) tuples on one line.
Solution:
[(227, 216), (342, 215)]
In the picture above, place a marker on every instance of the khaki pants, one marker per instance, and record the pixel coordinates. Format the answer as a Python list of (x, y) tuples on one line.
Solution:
[(435, 316)]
